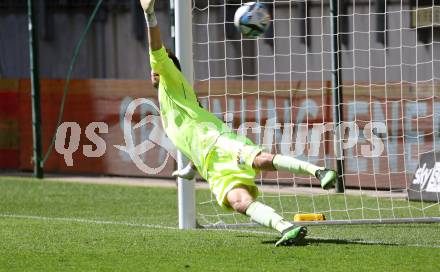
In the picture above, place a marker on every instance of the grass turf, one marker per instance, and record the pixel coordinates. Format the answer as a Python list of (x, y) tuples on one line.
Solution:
[(41, 229)]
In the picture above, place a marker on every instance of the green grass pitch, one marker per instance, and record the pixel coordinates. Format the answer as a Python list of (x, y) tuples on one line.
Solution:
[(56, 226)]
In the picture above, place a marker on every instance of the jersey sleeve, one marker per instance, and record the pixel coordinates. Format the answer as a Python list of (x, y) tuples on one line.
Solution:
[(173, 81), (162, 64)]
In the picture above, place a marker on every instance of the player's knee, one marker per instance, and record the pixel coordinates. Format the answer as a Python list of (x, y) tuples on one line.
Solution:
[(241, 205), (240, 199)]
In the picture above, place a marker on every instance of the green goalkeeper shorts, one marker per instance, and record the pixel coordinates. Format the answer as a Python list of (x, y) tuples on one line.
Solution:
[(229, 165)]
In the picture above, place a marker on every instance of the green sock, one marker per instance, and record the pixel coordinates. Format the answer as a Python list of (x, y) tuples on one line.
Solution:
[(293, 165), (266, 216)]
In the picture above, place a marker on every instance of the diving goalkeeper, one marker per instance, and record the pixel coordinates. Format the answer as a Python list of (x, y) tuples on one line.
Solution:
[(228, 162)]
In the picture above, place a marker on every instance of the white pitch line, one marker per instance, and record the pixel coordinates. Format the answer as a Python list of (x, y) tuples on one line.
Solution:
[(87, 221), (151, 226), (384, 243)]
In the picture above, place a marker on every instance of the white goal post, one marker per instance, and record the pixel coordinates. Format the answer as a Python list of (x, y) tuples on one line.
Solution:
[(184, 51), (278, 90)]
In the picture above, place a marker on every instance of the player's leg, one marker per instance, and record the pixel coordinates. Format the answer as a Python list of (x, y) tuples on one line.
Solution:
[(243, 202), (270, 162)]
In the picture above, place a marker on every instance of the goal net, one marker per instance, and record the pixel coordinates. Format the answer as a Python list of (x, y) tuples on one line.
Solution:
[(277, 90)]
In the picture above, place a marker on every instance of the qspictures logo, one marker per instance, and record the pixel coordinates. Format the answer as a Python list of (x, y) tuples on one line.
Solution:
[(308, 140), (67, 145), (156, 137)]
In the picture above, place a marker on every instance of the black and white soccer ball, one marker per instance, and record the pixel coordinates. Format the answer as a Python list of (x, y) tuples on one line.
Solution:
[(252, 19)]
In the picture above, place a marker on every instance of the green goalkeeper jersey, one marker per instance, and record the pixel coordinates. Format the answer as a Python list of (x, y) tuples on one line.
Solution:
[(191, 128)]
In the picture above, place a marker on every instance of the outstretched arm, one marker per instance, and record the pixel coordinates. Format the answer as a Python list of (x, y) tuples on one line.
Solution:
[(154, 39)]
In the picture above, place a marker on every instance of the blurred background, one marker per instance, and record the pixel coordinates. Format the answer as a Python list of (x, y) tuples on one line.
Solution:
[(371, 32)]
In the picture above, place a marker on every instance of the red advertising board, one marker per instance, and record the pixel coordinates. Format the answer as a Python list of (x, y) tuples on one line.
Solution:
[(286, 117)]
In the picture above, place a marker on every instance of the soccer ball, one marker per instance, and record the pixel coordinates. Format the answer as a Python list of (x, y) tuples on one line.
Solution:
[(252, 19)]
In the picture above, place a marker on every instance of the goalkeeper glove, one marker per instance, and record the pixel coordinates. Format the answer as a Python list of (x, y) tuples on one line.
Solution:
[(150, 16), (186, 173)]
